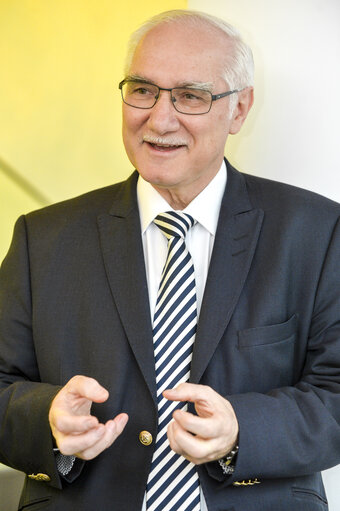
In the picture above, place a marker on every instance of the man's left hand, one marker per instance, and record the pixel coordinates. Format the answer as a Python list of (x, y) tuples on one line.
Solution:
[(210, 434)]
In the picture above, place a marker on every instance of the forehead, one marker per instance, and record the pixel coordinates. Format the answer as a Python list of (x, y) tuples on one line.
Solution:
[(174, 53)]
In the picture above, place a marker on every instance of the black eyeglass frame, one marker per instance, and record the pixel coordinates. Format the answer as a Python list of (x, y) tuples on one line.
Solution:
[(214, 97)]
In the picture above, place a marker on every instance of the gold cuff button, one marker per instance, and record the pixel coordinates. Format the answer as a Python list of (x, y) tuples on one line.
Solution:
[(250, 482), (40, 477), (145, 438)]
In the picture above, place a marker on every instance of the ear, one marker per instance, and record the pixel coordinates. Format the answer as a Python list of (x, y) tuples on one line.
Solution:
[(244, 104)]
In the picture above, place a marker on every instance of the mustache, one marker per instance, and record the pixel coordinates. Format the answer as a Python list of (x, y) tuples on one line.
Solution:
[(164, 141)]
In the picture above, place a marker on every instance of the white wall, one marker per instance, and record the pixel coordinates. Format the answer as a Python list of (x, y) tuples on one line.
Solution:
[(292, 134)]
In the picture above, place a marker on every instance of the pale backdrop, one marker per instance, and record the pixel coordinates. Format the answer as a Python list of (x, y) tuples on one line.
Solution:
[(60, 107), (292, 134)]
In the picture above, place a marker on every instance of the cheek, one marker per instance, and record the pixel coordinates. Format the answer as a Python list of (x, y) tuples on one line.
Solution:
[(218, 132), (133, 119), (211, 131), (130, 132)]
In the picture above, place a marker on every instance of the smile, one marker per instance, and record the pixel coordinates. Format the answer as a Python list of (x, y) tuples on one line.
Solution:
[(164, 147), (160, 145)]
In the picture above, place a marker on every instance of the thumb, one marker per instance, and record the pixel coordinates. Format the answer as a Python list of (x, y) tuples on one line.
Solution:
[(86, 387)]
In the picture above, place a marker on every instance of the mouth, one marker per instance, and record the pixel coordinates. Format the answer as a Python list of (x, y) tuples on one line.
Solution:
[(163, 146)]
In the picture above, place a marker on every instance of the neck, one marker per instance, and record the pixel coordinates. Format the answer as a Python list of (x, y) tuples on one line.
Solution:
[(180, 197), (177, 201)]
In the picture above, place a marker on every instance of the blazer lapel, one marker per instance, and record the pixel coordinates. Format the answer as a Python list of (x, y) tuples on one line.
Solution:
[(122, 250), (236, 239)]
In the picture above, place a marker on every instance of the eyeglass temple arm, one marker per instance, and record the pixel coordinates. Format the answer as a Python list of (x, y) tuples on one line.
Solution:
[(218, 96)]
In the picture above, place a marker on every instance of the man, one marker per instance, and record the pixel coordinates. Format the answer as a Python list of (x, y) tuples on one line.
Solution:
[(85, 407)]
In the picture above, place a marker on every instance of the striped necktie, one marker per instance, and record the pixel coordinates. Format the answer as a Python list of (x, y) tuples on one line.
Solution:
[(173, 483)]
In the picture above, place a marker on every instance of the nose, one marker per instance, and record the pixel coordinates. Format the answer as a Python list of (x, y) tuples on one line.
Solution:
[(163, 117)]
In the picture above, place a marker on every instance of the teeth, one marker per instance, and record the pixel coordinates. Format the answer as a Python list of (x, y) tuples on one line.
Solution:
[(161, 145)]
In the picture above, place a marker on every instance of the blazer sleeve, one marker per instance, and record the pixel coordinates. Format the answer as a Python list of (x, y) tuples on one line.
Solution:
[(295, 431), (25, 437)]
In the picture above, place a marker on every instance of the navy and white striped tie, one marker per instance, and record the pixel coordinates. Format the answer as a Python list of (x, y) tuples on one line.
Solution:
[(173, 483)]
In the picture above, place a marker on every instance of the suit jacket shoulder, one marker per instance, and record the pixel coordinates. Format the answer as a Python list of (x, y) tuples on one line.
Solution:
[(269, 194), (91, 203)]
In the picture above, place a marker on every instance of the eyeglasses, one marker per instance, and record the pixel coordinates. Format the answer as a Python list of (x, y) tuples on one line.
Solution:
[(185, 100)]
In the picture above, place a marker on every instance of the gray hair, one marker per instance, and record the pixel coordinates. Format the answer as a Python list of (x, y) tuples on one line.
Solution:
[(239, 69)]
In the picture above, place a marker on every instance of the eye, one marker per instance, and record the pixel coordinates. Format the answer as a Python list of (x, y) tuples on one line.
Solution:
[(193, 97), (189, 96), (141, 90)]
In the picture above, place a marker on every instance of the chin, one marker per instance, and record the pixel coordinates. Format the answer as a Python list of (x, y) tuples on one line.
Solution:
[(159, 182), (157, 177)]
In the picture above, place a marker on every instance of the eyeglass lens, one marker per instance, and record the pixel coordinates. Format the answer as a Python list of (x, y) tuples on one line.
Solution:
[(185, 100)]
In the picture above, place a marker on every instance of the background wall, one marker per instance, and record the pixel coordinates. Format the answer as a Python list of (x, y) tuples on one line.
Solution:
[(292, 133), (60, 106)]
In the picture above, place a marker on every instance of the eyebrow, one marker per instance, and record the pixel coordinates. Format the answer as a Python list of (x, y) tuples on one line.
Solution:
[(208, 86), (197, 85)]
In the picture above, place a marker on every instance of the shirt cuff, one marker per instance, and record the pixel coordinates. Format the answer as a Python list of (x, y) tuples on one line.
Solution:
[(64, 463), (228, 462)]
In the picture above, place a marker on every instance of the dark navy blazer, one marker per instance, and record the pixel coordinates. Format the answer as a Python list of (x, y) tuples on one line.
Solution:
[(74, 300)]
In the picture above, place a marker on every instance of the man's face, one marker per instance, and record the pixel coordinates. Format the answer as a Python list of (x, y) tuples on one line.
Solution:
[(170, 56)]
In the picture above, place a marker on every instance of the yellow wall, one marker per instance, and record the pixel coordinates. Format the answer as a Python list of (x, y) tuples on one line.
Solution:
[(60, 120)]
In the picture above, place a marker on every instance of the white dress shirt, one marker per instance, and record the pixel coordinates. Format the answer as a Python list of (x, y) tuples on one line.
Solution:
[(205, 209)]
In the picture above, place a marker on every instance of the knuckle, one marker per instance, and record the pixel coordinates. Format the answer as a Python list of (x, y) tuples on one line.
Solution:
[(64, 448), (211, 431), (110, 441), (171, 442), (58, 423), (211, 456), (181, 386), (88, 455), (79, 381), (211, 391), (174, 446), (204, 388), (200, 453), (75, 380)]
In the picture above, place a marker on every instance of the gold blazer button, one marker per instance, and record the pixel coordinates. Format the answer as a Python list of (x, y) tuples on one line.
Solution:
[(145, 438), (40, 477)]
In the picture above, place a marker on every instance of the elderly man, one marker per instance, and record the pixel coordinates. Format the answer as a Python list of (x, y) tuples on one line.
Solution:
[(173, 342)]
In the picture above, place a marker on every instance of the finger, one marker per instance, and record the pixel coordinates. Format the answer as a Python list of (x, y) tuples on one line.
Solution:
[(113, 428), (85, 387), (199, 426), (193, 448), (120, 423), (72, 444), (193, 393), (221, 426), (72, 424), (184, 443)]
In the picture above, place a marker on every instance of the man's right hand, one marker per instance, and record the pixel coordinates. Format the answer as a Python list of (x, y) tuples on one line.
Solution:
[(75, 430)]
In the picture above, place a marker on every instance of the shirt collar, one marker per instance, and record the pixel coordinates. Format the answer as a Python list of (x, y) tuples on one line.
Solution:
[(205, 208)]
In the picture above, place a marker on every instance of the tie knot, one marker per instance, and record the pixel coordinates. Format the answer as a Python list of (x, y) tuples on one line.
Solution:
[(174, 223)]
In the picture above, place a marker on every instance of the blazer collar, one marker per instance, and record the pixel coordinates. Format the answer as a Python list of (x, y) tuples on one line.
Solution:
[(121, 243), (235, 243)]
